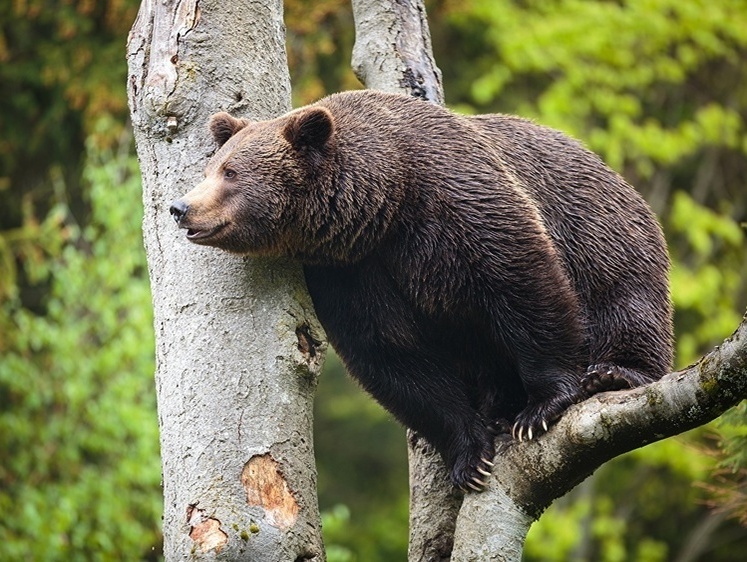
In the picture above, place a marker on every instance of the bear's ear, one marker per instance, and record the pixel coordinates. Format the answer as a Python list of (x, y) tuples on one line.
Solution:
[(224, 126), (309, 128)]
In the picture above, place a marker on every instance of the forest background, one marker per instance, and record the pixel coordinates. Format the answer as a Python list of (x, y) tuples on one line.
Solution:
[(657, 87)]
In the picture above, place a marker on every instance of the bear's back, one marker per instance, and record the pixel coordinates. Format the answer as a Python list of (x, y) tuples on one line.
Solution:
[(594, 216), (609, 241)]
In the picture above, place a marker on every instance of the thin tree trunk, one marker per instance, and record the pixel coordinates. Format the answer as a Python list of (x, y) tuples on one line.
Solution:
[(393, 53), (237, 343), (392, 49)]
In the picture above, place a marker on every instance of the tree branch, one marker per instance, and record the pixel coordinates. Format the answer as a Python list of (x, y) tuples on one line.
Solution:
[(529, 476), (434, 503)]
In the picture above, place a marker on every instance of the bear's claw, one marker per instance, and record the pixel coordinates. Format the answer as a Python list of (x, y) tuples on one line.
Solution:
[(536, 418), (472, 477), (529, 431)]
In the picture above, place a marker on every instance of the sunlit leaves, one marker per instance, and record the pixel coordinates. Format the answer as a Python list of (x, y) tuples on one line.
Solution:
[(703, 291)]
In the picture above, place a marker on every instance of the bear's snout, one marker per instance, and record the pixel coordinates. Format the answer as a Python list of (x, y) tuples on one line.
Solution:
[(178, 210)]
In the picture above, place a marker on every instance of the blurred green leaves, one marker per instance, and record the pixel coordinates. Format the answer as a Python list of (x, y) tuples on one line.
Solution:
[(707, 277), (362, 463), (80, 476)]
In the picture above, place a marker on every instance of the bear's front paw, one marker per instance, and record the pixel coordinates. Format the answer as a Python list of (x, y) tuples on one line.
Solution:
[(537, 417), (472, 467)]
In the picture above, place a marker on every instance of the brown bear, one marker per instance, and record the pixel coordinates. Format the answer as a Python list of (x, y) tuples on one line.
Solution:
[(473, 273)]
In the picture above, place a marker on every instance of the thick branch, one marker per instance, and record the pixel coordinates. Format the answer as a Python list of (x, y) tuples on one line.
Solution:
[(613, 423), (434, 503), (528, 476)]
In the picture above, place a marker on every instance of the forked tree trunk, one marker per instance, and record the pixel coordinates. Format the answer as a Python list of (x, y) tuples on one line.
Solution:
[(393, 53), (237, 343)]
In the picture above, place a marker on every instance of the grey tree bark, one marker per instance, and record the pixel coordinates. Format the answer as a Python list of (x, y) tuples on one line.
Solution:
[(238, 346), (393, 53)]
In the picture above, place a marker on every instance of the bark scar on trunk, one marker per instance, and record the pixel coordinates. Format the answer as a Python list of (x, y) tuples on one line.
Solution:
[(307, 344), (267, 488), (205, 531)]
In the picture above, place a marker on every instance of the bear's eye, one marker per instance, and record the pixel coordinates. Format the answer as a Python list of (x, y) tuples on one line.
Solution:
[(229, 174)]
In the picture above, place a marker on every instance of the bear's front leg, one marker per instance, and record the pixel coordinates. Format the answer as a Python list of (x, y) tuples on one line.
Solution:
[(541, 413), (469, 454)]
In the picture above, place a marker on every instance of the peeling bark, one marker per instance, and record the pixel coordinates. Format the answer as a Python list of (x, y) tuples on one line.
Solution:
[(392, 49), (266, 487), (205, 531), (238, 346)]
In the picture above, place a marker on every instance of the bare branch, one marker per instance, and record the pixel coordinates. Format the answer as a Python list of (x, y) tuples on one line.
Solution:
[(613, 423), (528, 476)]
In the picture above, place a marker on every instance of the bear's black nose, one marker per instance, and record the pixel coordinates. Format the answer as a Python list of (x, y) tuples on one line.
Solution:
[(178, 209)]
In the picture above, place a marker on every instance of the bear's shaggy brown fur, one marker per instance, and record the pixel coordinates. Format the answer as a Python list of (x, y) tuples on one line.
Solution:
[(470, 271)]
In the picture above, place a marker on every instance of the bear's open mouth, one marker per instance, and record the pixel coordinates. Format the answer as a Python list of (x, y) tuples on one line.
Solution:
[(197, 235)]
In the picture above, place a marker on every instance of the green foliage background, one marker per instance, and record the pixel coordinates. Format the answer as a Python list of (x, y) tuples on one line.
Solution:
[(657, 87)]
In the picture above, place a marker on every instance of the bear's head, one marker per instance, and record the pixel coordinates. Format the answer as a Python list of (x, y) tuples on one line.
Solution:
[(262, 186)]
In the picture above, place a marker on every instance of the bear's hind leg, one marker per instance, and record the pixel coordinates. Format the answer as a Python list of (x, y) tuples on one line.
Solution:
[(631, 342)]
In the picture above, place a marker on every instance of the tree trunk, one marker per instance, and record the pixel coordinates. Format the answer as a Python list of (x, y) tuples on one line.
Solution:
[(238, 346)]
